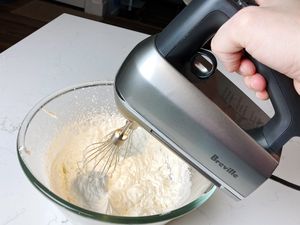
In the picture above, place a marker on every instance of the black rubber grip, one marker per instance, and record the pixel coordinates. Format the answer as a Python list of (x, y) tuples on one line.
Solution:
[(194, 27)]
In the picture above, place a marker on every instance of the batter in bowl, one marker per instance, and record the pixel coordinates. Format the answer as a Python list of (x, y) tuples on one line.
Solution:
[(150, 180)]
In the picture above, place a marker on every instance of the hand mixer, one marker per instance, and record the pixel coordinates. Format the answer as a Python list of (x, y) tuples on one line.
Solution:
[(152, 89)]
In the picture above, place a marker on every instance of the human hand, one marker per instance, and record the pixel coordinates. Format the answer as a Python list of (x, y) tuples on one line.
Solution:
[(270, 33)]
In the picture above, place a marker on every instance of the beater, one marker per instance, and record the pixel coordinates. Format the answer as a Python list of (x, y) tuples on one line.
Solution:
[(103, 156)]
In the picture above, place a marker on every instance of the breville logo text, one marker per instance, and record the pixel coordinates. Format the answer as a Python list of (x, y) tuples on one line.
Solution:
[(229, 170)]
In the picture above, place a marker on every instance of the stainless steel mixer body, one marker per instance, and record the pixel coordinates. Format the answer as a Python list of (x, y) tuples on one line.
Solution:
[(151, 92), (152, 89)]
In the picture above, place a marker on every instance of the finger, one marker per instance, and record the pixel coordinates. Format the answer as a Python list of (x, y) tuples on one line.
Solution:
[(255, 82), (231, 61), (263, 95), (258, 82), (231, 39), (247, 68)]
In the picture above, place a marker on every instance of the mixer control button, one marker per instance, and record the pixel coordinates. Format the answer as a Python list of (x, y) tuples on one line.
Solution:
[(203, 64)]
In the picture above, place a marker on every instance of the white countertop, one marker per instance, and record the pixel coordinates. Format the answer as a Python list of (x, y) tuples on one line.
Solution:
[(72, 50)]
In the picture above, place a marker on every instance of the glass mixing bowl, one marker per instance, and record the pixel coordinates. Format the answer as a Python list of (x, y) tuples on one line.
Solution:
[(48, 118)]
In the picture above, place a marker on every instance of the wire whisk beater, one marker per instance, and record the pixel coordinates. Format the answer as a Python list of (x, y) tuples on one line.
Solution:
[(103, 156)]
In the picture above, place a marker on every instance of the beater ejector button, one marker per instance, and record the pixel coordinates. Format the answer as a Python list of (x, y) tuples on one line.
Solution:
[(203, 64)]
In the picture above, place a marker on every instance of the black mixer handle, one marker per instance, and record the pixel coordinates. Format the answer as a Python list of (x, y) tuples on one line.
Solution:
[(194, 27)]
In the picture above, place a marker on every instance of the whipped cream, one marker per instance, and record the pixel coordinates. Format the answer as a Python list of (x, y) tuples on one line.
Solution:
[(150, 180)]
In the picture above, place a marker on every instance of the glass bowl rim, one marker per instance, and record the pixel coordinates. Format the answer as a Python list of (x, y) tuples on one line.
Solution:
[(79, 210)]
